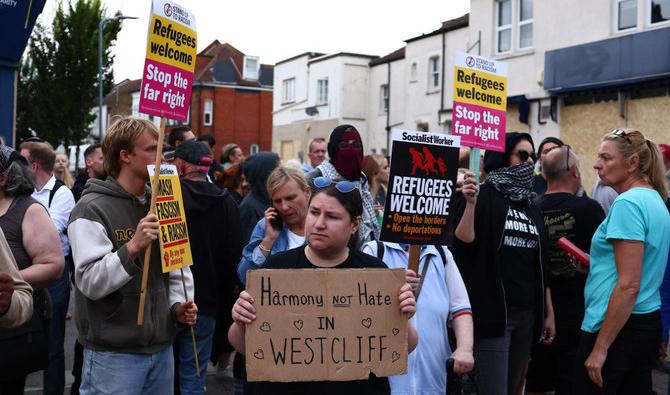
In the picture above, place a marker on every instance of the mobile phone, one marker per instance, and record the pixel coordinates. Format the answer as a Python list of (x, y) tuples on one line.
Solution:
[(574, 251), (277, 223)]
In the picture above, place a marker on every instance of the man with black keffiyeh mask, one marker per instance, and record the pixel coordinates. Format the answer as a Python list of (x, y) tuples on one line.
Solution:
[(345, 152), (500, 247)]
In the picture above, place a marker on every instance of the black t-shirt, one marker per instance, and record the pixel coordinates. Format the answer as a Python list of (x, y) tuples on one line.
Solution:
[(296, 259), (576, 219), (520, 255)]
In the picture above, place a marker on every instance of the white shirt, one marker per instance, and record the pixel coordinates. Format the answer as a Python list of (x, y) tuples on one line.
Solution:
[(60, 209), (294, 240)]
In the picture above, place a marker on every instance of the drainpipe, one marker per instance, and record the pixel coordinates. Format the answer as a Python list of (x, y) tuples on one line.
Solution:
[(444, 47), (388, 111)]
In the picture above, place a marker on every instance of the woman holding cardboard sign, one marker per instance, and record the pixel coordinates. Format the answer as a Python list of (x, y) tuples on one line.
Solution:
[(500, 246), (331, 230)]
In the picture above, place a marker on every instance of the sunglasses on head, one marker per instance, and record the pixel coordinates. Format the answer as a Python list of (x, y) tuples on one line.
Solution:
[(567, 156), (342, 186), (524, 155), (350, 143), (621, 133)]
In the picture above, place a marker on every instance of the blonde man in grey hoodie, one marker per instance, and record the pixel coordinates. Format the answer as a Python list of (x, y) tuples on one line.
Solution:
[(109, 230)]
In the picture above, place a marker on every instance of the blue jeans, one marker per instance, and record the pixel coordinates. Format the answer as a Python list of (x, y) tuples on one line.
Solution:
[(54, 375), (127, 374), (185, 360)]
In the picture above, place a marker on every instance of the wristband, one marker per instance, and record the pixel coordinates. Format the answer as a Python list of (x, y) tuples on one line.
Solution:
[(260, 245)]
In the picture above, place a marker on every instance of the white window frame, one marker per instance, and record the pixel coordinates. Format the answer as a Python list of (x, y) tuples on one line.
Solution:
[(250, 73), (647, 6), (322, 91), (208, 109), (434, 60), (500, 28), (615, 21), (383, 98), (254, 149), (288, 90), (524, 23)]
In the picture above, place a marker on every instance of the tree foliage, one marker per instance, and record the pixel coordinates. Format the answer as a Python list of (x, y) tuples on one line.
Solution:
[(58, 81)]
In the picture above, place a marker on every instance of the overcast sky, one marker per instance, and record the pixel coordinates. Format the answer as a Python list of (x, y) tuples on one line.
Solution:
[(275, 30)]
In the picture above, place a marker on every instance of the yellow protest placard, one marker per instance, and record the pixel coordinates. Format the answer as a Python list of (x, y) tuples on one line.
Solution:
[(480, 102), (173, 238), (167, 78)]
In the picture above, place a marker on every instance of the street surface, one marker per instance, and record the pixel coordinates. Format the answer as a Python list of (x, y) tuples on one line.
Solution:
[(214, 386)]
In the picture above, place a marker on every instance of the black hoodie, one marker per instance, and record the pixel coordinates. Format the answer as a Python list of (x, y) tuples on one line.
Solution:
[(257, 169), (216, 245)]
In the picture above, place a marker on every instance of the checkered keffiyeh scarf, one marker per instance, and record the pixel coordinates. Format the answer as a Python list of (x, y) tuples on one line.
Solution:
[(369, 219), (515, 182)]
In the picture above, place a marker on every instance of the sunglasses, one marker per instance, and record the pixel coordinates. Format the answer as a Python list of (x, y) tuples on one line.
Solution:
[(567, 157), (342, 186), (524, 155), (351, 143), (169, 156), (621, 133)]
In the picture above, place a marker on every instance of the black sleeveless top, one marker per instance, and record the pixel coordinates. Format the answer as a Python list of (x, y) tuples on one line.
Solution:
[(10, 223)]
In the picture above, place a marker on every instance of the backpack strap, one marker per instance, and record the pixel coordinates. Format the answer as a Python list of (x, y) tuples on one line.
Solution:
[(442, 254), (380, 250), (57, 185)]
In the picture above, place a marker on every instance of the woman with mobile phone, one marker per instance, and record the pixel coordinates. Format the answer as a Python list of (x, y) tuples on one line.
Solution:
[(283, 226), (331, 232)]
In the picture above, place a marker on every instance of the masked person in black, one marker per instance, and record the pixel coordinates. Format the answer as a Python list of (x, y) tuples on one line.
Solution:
[(500, 246), (345, 152)]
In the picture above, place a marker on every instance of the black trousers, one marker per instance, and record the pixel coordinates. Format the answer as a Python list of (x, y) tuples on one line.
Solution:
[(627, 369)]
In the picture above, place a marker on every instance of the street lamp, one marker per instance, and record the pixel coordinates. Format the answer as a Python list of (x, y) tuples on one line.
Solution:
[(101, 27)]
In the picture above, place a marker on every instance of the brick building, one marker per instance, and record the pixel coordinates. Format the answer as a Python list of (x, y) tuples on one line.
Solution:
[(232, 98)]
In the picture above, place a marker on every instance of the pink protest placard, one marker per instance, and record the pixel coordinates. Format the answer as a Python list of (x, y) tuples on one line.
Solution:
[(480, 102), (171, 55)]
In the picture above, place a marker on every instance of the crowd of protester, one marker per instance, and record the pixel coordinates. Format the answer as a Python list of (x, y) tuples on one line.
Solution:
[(498, 309)]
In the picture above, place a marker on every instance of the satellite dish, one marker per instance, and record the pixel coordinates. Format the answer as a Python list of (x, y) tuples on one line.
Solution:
[(311, 111)]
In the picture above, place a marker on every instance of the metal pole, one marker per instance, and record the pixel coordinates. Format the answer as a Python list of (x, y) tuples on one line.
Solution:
[(101, 27)]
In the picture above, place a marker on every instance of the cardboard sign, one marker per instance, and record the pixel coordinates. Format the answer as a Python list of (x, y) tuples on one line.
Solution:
[(170, 61), (422, 182), (325, 324), (480, 102), (173, 238)]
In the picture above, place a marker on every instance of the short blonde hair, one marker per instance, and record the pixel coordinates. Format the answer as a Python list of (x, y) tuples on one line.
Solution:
[(121, 135), (282, 175)]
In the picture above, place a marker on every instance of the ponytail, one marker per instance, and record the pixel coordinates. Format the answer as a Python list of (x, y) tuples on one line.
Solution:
[(656, 170)]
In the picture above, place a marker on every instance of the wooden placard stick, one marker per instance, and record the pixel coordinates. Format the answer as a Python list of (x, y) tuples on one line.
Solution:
[(475, 158), (195, 348), (152, 208), (414, 253)]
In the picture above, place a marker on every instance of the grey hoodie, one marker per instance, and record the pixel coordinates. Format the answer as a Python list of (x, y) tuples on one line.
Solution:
[(108, 281)]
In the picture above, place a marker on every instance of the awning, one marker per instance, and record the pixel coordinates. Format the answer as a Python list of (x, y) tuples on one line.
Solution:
[(616, 62)]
